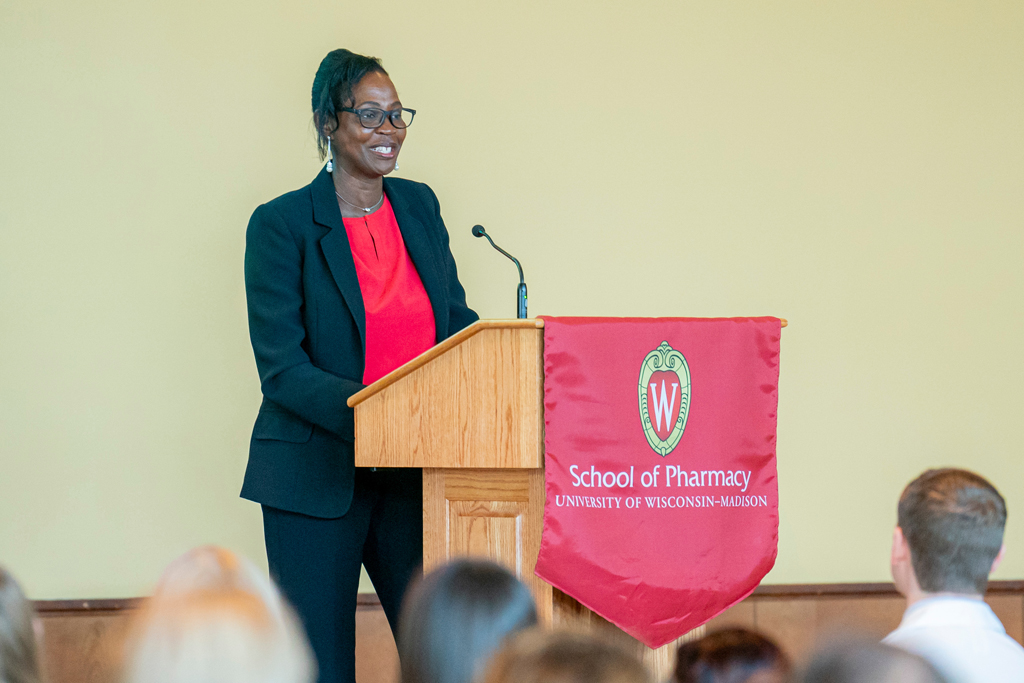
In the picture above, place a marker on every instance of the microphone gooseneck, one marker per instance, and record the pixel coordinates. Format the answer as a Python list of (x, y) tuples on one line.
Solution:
[(478, 231)]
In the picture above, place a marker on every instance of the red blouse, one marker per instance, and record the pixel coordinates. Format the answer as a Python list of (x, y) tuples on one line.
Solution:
[(399, 317)]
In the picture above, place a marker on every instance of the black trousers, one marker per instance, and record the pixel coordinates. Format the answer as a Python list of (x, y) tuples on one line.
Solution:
[(316, 561)]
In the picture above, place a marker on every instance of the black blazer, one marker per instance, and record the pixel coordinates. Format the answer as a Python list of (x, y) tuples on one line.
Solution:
[(308, 325)]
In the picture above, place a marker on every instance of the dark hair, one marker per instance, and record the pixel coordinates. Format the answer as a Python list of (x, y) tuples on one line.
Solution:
[(728, 656), (339, 73), (869, 663), (953, 521), (19, 660), (565, 657), (457, 617)]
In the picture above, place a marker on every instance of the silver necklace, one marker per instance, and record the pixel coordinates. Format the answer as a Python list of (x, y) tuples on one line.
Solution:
[(364, 209)]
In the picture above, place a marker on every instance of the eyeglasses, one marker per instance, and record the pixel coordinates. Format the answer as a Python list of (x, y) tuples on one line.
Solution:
[(374, 118)]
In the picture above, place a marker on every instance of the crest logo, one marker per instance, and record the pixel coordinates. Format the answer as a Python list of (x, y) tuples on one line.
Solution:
[(664, 390)]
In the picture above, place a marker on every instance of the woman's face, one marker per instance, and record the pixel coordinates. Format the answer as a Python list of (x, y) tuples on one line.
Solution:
[(368, 152)]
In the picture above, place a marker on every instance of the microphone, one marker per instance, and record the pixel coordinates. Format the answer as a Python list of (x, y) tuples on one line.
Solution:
[(478, 231)]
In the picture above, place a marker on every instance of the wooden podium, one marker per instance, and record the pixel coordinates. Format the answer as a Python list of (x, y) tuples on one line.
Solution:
[(470, 412)]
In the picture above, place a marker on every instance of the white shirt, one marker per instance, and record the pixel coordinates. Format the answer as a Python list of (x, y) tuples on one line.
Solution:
[(962, 638)]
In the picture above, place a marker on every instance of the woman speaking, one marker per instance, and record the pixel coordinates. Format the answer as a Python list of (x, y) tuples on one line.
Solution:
[(345, 279)]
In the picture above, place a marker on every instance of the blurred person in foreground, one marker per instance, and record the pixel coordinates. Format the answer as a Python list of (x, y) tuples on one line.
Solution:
[(210, 567), (948, 539), (734, 655), (214, 618), (868, 663), (19, 659), (564, 657), (457, 617)]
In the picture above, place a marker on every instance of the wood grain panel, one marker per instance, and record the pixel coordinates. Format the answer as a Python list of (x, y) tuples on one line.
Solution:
[(488, 513), (435, 520), (738, 616), (513, 485), (791, 623), (83, 646), (872, 617), (488, 529), (439, 349), (1010, 610), (477, 404), (542, 591)]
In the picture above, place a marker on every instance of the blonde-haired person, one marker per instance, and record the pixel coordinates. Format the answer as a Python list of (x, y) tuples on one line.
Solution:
[(211, 568), (19, 659), (538, 656), (214, 618)]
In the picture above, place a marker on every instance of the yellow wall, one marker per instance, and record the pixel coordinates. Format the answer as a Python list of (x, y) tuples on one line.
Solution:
[(855, 167)]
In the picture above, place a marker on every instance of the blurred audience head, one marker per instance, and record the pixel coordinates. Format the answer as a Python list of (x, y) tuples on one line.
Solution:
[(564, 657), (213, 568), (457, 617), (868, 663), (949, 535), (214, 618), (733, 655), (19, 660)]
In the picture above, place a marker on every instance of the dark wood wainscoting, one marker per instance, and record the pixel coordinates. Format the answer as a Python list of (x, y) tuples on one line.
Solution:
[(802, 617), (82, 639)]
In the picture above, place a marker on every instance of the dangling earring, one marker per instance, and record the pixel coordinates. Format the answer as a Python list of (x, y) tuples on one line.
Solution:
[(396, 166), (330, 160)]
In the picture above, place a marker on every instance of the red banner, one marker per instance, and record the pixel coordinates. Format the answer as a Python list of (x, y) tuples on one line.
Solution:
[(662, 505)]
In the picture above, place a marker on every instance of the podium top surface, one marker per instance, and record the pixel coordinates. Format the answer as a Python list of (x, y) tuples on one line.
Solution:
[(435, 351), (449, 343)]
